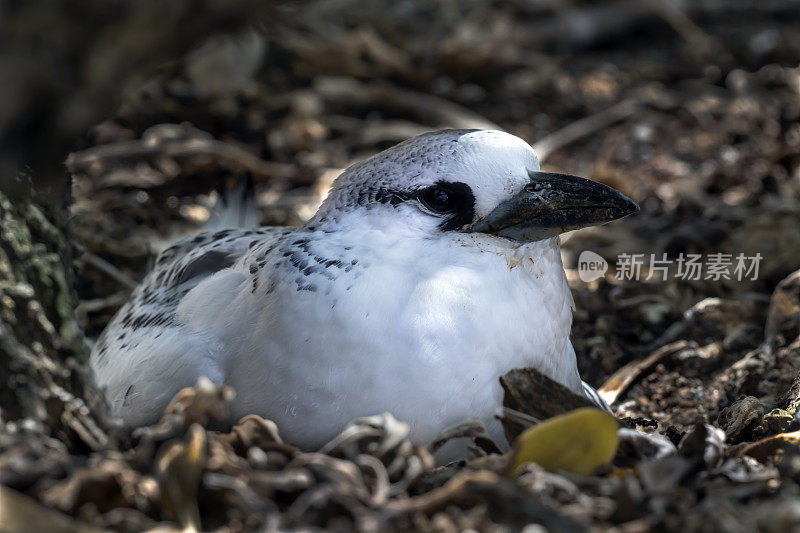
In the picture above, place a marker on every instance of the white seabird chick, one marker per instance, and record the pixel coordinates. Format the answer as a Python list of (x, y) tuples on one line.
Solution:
[(430, 270)]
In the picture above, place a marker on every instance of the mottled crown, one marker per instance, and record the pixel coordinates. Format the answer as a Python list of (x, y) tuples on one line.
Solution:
[(491, 162)]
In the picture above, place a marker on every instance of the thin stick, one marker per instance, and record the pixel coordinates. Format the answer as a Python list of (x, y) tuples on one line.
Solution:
[(676, 16), (98, 304), (95, 160), (583, 127), (105, 267), (518, 417)]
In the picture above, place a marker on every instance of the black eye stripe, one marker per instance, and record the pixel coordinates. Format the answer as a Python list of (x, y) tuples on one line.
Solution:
[(462, 213), (458, 218)]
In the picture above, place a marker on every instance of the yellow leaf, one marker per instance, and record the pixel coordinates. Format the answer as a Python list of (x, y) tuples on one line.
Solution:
[(579, 441)]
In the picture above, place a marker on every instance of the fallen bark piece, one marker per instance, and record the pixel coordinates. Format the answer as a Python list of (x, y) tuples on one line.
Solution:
[(740, 417), (530, 392), (772, 448)]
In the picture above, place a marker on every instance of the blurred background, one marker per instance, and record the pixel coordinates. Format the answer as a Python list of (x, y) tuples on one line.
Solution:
[(135, 113)]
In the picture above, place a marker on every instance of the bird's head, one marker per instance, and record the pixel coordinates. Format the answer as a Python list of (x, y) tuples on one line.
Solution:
[(468, 181)]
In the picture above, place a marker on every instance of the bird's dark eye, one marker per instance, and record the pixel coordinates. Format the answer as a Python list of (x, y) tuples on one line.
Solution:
[(439, 199)]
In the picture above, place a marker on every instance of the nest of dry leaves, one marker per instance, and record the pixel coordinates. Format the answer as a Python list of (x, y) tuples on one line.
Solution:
[(691, 110)]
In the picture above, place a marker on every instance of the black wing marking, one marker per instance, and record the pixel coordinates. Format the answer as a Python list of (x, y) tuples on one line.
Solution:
[(177, 270)]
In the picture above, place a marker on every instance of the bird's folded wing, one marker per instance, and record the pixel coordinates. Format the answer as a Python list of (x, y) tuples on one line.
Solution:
[(148, 349), (152, 307)]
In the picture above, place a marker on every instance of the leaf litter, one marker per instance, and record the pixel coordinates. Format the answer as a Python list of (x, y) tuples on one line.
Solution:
[(698, 123)]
